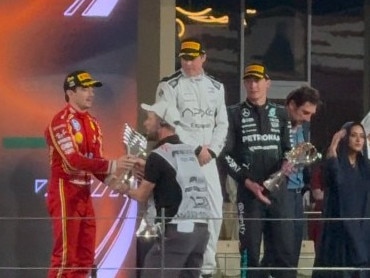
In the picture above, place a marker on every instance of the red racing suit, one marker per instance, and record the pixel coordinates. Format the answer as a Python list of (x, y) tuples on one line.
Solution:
[(75, 149)]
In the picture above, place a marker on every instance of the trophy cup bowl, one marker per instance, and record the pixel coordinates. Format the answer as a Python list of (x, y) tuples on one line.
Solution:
[(301, 155), (136, 144)]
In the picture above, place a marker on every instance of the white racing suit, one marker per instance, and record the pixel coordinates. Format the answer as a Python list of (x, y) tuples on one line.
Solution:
[(201, 120), (366, 123)]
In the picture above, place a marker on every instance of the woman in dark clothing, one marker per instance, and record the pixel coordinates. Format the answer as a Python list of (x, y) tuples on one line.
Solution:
[(344, 243)]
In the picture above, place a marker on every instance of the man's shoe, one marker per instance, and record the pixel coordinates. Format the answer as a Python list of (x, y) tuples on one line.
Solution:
[(207, 275)]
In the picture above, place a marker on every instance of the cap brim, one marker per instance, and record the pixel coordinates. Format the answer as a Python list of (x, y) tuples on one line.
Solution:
[(161, 110), (254, 74), (92, 83), (146, 107), (189, 55)]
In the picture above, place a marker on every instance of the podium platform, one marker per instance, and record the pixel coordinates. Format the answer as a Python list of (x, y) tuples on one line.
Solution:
[(228, 258)]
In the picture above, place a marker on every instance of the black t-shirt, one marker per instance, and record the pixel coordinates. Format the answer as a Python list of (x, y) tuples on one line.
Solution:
[(167, 192)]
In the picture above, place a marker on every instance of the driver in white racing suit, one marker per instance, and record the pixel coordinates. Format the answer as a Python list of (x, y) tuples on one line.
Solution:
[(203, 123)]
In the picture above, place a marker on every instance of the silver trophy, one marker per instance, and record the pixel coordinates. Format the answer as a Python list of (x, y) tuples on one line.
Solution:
[(301, 155), (136, 144)]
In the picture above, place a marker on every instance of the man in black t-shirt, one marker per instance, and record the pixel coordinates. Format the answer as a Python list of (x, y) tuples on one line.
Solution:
[(173, 175)]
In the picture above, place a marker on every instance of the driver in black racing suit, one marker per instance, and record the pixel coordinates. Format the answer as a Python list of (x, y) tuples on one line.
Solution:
[(258, 137)]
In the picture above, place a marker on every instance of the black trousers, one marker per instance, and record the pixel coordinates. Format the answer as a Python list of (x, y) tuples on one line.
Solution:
[(183, 253), (295, 209), (257, 221)]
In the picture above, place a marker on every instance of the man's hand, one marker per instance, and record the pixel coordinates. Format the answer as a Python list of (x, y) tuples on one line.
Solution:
[(126, 162), (306, 199), (204, 156), (317, 194), (126, 167), (121, 188), (257, 191), (139, 167)]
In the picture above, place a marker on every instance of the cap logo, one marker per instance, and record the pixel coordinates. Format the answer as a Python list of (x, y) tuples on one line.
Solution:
[(191, 45), (80, 79), (71, 81), (83, 76)]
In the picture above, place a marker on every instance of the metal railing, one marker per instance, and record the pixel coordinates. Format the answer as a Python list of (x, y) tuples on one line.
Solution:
[(228, 257)]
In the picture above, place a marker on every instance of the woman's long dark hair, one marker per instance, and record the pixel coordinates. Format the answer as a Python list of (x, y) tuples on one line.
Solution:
[(343, 148)]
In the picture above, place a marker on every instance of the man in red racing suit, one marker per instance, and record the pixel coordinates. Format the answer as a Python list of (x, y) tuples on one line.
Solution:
[(74, 139)]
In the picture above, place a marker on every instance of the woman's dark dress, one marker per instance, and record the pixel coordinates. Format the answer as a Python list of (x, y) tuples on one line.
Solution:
[(345, 243)]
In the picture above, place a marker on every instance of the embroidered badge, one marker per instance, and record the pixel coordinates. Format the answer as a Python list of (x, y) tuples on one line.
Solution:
[(272, 112), (76, 125), (246, 112), (79, 137)]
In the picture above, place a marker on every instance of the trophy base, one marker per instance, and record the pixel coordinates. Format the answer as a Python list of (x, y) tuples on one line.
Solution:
[(271, 188), (147, 235), (147, 231)]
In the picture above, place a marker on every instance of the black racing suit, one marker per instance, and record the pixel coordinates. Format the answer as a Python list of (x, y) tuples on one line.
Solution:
[(257, 139)]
